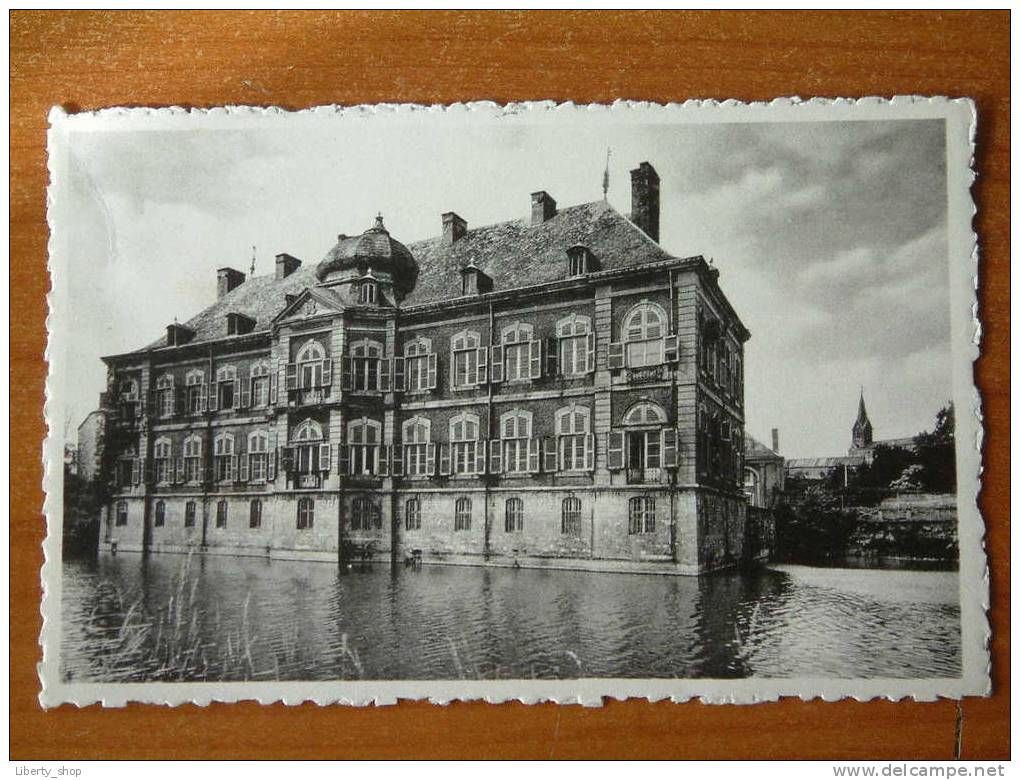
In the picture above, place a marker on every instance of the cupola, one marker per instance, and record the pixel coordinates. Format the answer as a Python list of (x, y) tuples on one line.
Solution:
[(375, 251)]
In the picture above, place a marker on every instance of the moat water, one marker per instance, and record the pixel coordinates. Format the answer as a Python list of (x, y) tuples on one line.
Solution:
[(172, 617)]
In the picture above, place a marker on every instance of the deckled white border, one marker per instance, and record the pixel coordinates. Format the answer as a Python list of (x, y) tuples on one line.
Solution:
[(966, 332)]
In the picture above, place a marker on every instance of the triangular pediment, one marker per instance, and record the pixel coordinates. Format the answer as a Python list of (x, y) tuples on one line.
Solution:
[(309, 303)]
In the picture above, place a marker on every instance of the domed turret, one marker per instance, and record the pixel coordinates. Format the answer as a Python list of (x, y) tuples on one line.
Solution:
[(374, 250)]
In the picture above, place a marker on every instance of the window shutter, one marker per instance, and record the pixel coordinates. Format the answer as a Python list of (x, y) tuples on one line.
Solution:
[(616, 355), (177, 405), (148, 470), (211, 396), (324, 457), (615, 450), (398, 374), (671, 348), (327, 372), (591, 353), (150, 405), (496, 364), (480, 457), (231, 467), (203, 392), (444, 458), (552, 356), (383, 459), (385, 369), (292, 376), (273, 392), (180, 469), (237, 394), (430, 459), (495, 456), (433, 361), (535, 351), (287, 458), (534, 455), (589, 452), (397, 460), (243, 472), (669, 448), (343, 454), (345, 373), (136, 471), (271, 466), (483, 364), (245, 393), (549, 451)]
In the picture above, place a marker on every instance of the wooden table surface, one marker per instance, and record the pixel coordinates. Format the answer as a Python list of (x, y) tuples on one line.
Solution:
[(87, 60)]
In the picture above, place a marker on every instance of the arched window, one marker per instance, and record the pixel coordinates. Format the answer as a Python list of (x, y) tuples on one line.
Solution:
[(189, 514), (416, 434), (576, 446), (223, 457), (309, 367), (646, 438), (221, 513), (259, 382), (462, 515), (226, 387), (305, 513), (517, 351), (412, 514), (258, 456), (193, 458), (645, 413), (366, 358), (366, 514), (161, 452), (159, 514), (165, 395), (364, 442), (194, 391), (571, 516), (464, 442), (368, 290), (308, 448), (579, 260), (642, 515), (514, 521), (515, 432), (417, 359), (122, 513), (752, 487), (643, 330), (464, 360), (255, 513), (576, 345)]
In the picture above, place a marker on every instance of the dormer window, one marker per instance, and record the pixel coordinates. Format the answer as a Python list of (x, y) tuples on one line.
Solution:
[(580, 261), (474, 281), (238, 324), (368, 292)]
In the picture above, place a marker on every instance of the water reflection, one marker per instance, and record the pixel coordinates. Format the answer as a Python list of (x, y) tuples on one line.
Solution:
[(170, 617)]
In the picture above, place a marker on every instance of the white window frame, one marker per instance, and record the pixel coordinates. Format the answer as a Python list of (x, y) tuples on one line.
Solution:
[(463, 446), (193, 458), (573, 426), (364, 455), (165, 395), (415, 436), (226, 375), (366, 357), (258, 456), (162, 453), (305, 441), (644, 344), (223, 457), (416, 364), (310, 358), (259, 377), (514, 441), (193, 382), (516, 339), (572, 345), (464, 343)]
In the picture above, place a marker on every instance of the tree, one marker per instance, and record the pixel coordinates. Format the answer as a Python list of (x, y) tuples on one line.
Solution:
[(935, 452)]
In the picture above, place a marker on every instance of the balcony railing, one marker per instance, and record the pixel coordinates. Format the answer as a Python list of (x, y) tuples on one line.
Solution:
[(644, 476)]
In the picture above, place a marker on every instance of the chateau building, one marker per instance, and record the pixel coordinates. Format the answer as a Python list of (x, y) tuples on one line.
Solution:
[(556, 390)]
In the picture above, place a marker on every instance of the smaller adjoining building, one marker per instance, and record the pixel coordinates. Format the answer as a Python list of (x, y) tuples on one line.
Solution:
[(90, 438), (764, 473)]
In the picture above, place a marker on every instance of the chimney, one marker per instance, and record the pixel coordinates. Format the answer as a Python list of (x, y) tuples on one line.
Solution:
[(454, 228), (543, 207), (775, 440), (644, 199), (226, 280), (286, 265)]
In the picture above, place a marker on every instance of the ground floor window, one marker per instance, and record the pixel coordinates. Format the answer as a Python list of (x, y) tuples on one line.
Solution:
[(571, 520), (221, 514), (189, 514), (514, 521), (365, 514), (159, 514), (305, 513), (121, 513), (642, 515), (412, 515), (255, 514), (462, 515)]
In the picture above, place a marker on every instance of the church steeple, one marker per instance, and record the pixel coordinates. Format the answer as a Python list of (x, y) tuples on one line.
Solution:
[(861, 432)]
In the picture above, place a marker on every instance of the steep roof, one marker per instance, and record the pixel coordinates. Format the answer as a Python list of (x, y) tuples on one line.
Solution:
[(513, 254), (816, 463), (755, 450), (517, 253)]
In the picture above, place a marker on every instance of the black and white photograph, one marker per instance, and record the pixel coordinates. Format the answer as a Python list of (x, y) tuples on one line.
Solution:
[(538, 402)]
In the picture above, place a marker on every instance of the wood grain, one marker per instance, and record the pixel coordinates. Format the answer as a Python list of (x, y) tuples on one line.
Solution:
[(295, 59)]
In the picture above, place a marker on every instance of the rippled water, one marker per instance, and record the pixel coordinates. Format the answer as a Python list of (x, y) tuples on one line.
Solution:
[(171, 617)]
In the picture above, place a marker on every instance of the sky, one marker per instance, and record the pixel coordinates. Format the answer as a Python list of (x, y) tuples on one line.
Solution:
[(830, 237)]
